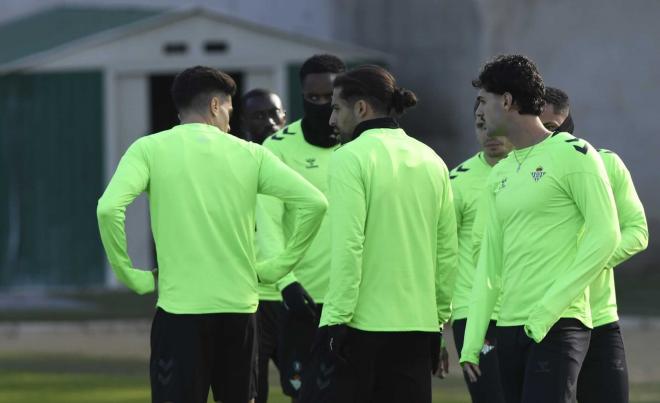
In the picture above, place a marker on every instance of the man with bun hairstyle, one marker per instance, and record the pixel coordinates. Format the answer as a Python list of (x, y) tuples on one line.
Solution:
[(394, 249)]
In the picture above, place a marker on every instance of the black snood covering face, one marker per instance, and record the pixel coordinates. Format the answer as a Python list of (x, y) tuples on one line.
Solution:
[(316, 129), (567, 125)]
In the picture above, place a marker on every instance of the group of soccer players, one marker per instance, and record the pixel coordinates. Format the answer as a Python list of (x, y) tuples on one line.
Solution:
[(340, 247)]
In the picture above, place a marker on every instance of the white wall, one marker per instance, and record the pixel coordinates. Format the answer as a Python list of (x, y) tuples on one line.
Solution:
[(132, 117)]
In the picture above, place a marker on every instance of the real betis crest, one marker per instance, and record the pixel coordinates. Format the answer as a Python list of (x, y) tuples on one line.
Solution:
[(538, 173)]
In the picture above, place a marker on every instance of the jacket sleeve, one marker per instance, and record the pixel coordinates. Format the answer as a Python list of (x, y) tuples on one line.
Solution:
[(130, 179), (348, 214), (447, 251), (487, 281), (632, 219), (303, 209)]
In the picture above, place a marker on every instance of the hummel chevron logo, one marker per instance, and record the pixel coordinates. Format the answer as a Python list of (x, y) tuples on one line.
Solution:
[(501, 185), (461, 169), (164, 371), (311, 163), (323, 380), (164, 380), (165, 365), (582, 149), (276, 137), (286, 131)]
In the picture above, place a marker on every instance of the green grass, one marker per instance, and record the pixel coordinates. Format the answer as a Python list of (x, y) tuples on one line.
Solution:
[(77, 379)]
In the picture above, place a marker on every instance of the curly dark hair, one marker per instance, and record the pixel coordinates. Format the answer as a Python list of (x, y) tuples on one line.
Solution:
[(557, 98), (322, 64), (517, 75), (194, 87)]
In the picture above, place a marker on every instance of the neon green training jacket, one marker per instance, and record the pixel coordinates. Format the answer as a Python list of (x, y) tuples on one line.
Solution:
[(202, 186), (311, 162), (634, 238), (393, 231), (550, 228)]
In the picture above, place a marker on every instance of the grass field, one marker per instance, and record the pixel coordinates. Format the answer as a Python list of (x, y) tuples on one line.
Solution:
[(71, 379), (68, 379), (86, 365)]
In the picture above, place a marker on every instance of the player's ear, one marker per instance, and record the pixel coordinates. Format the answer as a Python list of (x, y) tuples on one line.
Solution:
[(507, 101), (214, 106), (360, 108)]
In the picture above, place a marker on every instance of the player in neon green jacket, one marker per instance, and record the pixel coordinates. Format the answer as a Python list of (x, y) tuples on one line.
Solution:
[(604, 375), (467, 182), (393, 235), (262, 115), (202, 185), (306, 146), (550, 228)]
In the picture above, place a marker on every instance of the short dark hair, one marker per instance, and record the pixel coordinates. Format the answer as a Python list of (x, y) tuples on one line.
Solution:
[(517, 75), (557, 98), (194, 87), (255, 93), (322, 64), (377, 86)]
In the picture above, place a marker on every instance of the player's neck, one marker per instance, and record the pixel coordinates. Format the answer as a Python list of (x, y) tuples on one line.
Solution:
[(194, 118), (492, 160), (526, 131)]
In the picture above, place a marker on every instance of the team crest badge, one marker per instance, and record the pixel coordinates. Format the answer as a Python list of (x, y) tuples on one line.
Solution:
[(487, 347), (538, 173)]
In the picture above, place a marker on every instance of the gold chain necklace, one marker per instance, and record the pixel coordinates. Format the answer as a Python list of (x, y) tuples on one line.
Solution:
[(524, 159), (526, 155)]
